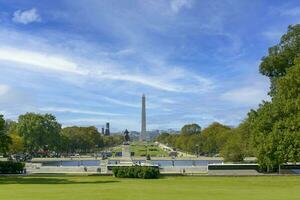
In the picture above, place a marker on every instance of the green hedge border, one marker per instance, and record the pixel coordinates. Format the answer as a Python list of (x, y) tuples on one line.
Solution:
[(143, 172), (234, 167), (290, 166), (10, 167)]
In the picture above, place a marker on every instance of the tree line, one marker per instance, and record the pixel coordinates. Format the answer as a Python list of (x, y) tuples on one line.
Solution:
[(34, 133), (210, 141), (271, 132)]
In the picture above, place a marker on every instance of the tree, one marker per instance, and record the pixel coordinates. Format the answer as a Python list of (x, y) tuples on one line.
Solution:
[(163, 137), (17, 142), (112, 140), (190, 129), (234, 149), (215, 136), (39, 131), (82, 139), (190, 140), (5, 140), (276, 125), (281, 56)]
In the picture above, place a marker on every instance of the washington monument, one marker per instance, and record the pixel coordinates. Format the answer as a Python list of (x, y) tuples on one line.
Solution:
[(143, 128)]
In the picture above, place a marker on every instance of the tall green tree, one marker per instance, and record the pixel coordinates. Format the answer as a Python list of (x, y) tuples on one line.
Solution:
[(112, 140), (17, 141), (276, 124), (82, 139), (281, 56), (214, 137), (191, 139), (234, 149), (190, 129), (5, 140), (39, 131)]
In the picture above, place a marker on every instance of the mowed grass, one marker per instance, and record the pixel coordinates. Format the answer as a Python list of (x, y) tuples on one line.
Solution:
[(143, 150), (167, 188), (140, 149)]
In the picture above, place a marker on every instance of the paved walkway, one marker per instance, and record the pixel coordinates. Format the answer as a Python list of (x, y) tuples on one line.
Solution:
[(180, 153)]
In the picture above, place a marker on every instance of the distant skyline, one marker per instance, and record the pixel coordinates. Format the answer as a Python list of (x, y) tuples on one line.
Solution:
[(88, 61)]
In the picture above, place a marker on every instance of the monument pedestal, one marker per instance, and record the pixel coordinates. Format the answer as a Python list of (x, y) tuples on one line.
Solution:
[(126, 155), (126, 151)]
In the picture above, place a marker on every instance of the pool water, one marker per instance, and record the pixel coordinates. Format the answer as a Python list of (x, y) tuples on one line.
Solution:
[(163, 163)]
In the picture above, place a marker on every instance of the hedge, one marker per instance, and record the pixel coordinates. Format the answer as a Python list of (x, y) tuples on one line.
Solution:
[(10, 167), (136, 172), (290, 166), (248, 166), (234, 167)]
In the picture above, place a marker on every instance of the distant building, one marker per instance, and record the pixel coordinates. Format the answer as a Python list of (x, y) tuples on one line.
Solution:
[(170, 131), (102, 131), (107, 129), (152, 134), (134, 135)]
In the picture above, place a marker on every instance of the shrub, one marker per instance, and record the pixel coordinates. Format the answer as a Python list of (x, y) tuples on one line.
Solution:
[(10, 167), (290, 166), (136, 172), (234, 167), (152, 149)]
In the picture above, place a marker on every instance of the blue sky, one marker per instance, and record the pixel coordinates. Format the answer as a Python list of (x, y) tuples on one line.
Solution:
[(89, 61)]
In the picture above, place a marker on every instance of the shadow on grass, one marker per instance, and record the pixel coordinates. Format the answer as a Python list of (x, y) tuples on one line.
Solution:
[(47, 180)]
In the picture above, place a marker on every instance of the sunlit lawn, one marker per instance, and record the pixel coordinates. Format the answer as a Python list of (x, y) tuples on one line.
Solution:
[(173, 188), (140, 149)]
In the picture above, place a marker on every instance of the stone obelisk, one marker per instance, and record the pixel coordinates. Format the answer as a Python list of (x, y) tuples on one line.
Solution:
[(143, 128)]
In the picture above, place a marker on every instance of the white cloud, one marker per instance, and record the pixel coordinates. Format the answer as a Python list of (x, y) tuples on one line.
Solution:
[(154, 82), (13, 101), (150, 105), (39, 60), (178, 80), (168, 101), (248, 96), (122, 103), (183, 82), (177, 5), (26, 16), (77, 111), (3, 89), (115, 124)]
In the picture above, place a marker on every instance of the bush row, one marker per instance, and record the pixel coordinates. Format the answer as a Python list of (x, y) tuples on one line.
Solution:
[(136, 172), (10, 167), (290, 166), (234, 167)]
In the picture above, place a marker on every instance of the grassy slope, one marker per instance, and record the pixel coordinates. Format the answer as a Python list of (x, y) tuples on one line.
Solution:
[(173, 188), (140, 149)]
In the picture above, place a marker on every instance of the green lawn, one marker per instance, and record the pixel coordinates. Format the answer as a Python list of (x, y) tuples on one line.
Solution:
[(140, 149), (173, 188)]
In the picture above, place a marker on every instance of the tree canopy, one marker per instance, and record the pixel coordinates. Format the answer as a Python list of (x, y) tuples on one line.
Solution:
[(281, 56), (276, 124), (215, 136), (192, 139), (190, 129), (39, 131), (81, 139), (5, 140)]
